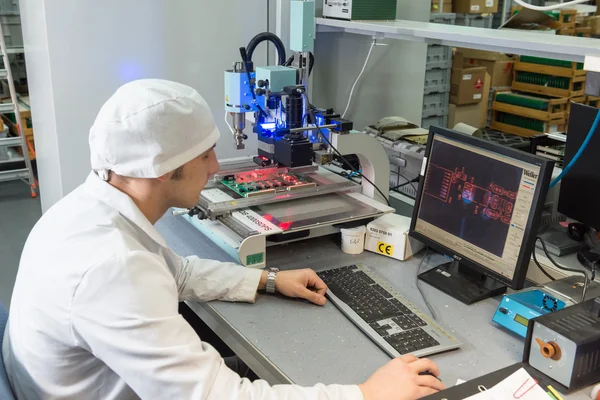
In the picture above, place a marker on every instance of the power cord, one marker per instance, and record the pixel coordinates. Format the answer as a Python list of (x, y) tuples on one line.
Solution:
[(429, 306), (577, 271), (344, 160), (580, 151), (362, 71), (549, 8)]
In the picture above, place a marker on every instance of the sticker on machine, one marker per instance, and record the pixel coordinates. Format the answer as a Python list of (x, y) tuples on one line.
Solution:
[(475, 8), (489, 3), (255, 222)]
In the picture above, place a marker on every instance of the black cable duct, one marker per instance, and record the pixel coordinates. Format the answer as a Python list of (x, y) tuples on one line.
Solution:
[(267, 37)]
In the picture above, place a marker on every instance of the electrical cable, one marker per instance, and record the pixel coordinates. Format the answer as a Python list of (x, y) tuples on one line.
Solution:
[(577, 271), (267, 37), (408, 182), (344, 160), (358, 79), (541, 268), (550, 8), (579, 152), (227, 122), (311, 62), (246, 61), (429, 306)]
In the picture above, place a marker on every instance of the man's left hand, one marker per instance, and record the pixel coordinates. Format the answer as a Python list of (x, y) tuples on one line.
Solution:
[(301, 284)]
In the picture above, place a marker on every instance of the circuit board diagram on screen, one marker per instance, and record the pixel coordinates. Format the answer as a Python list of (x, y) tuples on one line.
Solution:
[(493, 202)]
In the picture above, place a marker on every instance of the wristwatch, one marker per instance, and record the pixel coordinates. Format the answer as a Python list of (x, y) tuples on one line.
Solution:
[(271, 275)]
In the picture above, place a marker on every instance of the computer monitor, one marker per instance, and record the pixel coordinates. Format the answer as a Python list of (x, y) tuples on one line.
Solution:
[(479, 203), (580, 188)]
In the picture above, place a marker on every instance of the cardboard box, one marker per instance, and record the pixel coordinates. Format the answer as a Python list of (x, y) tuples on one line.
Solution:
[(446, 6), (475, 115), (388, 236), (594, 23), (501, 72), (475, 6), (469, 114), (467, 85), (498, 65), (483, 55)]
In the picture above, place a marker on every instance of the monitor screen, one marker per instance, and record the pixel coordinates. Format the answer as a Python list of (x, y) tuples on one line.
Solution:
[(580, 188), (478, 202)]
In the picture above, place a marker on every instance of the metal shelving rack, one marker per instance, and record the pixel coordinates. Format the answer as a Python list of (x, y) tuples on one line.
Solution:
[(24, 174), (503, 41)]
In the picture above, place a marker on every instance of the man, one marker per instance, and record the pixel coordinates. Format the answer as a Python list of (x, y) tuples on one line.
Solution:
[(94, 312)]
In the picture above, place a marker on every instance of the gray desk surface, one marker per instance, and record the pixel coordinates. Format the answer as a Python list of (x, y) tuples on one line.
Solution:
[(286, 340)]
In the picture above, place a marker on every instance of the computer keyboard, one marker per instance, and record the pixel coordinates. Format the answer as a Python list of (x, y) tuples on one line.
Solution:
[(384, 316)]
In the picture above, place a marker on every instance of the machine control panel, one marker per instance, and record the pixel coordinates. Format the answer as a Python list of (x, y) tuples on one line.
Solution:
[(337, 9)]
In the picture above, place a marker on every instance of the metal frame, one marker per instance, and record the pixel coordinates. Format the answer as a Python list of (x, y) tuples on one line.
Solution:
[(25, 174), (503, 41), (226, 207)]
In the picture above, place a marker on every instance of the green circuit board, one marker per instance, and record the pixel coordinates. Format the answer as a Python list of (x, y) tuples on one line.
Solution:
[(254, 184)]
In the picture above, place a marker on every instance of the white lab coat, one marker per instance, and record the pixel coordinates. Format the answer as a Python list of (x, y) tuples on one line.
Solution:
[(94, 312)]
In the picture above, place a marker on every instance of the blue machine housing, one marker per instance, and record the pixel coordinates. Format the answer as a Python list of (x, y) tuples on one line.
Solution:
[(515, 310), (238, 95)]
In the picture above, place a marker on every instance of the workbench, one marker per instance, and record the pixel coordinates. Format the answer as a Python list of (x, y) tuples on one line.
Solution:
[(291, 341)]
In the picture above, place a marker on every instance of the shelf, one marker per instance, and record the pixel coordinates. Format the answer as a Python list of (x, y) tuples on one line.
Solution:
[(14, 175), (12, 160), (15, 50), (10, 142), (6, 107), (501, 40)]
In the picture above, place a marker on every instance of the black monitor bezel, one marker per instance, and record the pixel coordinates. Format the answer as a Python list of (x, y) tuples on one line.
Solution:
[(546, 168), (580, 115)]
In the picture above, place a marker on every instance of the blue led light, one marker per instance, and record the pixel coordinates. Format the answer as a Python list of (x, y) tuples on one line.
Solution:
[(269, 126)]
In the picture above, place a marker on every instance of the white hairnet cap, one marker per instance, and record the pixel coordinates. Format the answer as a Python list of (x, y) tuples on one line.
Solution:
[(149, 128)]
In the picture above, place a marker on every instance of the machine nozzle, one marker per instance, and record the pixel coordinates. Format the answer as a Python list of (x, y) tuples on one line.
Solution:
[(239, 124)]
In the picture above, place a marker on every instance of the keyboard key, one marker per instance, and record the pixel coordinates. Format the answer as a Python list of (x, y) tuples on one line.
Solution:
[(398, 304), (383, 292), (418, 320), (340, 293)]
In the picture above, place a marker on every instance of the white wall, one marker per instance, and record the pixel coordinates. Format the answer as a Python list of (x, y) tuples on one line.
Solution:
[(393, 82), (79, 52)]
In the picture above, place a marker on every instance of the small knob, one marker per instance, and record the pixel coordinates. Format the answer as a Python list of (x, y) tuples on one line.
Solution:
[(260, 92), (262, 83), (549, 350), (503, 310)]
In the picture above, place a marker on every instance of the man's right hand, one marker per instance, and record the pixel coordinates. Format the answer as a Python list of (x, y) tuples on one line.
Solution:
[(400, 380)]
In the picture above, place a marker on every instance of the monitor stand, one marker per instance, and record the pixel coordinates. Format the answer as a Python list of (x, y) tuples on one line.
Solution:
[(462, 282)]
